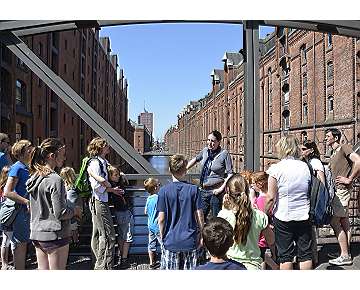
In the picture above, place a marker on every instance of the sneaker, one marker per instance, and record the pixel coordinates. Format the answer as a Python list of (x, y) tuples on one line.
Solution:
[(155, 265), (341, 261), (124, 264)]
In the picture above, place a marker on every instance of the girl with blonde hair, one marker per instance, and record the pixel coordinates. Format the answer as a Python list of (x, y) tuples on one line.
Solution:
[(50, 213), (248, 223), (15, 190), (69, 177)]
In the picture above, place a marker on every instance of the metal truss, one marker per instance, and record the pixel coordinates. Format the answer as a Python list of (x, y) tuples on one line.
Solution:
[(12, 29), (76, 103)]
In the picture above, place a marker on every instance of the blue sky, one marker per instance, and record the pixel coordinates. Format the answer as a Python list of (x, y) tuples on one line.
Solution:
[(168, 65)]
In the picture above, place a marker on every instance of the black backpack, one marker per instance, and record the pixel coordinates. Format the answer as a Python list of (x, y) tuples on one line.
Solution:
[(321, 211)]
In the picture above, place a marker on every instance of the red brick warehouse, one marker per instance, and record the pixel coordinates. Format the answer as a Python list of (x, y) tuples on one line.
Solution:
[(29, 109)]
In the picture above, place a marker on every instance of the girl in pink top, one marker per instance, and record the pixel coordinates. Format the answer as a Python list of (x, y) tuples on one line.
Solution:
[(259, 182)]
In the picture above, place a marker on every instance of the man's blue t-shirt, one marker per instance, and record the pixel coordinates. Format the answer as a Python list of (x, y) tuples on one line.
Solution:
[(21, 172), (152, 213), (179, 201), (3, 160), (227, 265)]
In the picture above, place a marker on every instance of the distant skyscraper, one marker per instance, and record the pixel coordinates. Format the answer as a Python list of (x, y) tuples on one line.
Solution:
[(147, 119)]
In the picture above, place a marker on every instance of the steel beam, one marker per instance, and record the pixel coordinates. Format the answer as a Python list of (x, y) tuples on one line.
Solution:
[(252, 96), (13, 25), (342, 27), (76, 103)]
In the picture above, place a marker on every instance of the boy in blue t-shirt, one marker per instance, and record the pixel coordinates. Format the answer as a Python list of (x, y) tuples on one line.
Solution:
[(152, 187), (218, 237), (180, 219)]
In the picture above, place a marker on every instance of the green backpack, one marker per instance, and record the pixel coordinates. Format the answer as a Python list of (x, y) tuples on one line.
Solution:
[(82, 183)]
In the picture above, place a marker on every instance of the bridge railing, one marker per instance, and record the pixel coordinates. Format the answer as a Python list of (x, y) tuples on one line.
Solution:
[(138, 196)]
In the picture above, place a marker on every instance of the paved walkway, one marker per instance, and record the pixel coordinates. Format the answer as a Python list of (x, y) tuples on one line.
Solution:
[(140, 262)]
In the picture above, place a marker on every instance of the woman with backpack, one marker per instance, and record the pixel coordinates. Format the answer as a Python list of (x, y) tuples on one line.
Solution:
[(288, 188), (50, 214), (103, 233), (311, 155)]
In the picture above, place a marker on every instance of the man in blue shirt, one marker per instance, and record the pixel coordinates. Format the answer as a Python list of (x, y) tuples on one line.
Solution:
[(180, 219)]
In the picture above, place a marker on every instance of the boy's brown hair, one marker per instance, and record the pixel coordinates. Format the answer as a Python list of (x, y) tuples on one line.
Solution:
[(150, 185), (177, 164)]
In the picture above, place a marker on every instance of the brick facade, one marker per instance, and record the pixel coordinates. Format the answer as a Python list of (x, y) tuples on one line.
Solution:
[(29, 109), (312, 76)]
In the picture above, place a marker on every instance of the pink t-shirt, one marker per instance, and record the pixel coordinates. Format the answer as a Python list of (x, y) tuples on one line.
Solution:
[(259, 203)]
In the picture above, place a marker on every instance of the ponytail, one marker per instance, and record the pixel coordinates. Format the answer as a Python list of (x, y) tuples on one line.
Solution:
[(39, 155), (239, 202)]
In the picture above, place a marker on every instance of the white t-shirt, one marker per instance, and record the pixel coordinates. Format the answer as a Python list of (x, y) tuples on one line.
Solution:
[(98, 191), (293, 179), (316, 165)]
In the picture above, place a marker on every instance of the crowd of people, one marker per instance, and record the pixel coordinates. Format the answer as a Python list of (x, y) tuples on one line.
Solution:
[(236, 221)]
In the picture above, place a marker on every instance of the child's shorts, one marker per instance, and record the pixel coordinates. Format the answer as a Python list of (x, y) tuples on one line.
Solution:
[(125, 228), (154, 240)]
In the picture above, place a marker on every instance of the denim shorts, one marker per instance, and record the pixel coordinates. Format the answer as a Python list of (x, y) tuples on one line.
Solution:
[(125, 225), (21, 228), (154, 240)]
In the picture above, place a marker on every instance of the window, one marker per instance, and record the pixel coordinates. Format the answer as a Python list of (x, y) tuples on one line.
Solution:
[(18, 131), (304, 83), (330, 104), (269, 87), (40, 49), (329, 40), (39, 112), (65, 68), (65, 44), (20, 93), (39, 82), (73, 75), (270, 145), (303, 58), (305, 112), (330, 71), (270, 120)]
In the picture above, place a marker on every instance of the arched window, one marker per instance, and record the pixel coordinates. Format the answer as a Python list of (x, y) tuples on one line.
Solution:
[(303, 58), (329, 39)]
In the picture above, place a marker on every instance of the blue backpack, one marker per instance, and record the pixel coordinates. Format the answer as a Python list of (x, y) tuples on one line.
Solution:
[(320, 196)]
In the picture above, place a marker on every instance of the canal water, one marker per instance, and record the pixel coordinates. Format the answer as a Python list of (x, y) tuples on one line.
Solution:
[(160, 163), (140, 241)]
